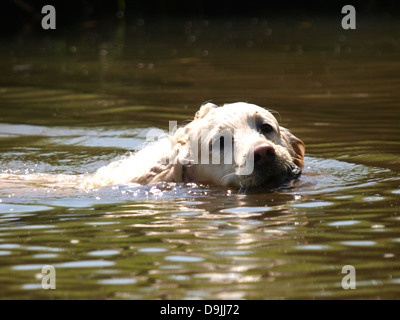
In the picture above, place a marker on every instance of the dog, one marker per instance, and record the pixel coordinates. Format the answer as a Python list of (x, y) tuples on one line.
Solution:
[(238, 145)]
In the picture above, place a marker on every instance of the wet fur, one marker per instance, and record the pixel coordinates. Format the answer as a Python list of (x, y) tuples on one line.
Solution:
[(171, 158)]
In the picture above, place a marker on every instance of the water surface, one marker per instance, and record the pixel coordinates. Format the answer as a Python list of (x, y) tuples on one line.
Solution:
[(71, 106)]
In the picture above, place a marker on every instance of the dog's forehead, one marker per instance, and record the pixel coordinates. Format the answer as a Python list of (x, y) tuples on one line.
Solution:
[(244, 111)]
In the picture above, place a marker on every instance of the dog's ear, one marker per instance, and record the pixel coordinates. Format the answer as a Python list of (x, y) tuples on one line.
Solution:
[(296, 146), (204, 109)]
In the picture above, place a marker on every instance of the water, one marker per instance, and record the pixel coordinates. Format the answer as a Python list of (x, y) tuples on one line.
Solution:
[(71, 106)]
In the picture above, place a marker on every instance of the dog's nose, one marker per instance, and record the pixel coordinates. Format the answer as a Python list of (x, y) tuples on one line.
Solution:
[(264, 154)]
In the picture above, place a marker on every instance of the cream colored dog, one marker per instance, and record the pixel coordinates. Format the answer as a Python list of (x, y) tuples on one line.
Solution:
[(238, 145)]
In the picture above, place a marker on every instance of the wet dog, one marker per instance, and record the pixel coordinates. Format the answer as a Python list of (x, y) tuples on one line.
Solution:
[(238, 145)]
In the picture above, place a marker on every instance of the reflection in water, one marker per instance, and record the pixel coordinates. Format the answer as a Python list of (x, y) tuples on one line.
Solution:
[(89, 103)]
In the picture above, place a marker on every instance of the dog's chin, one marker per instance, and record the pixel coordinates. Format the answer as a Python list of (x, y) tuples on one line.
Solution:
[(260, 183)]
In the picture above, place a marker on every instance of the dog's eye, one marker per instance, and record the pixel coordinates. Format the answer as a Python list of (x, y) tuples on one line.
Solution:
[(266, 128)]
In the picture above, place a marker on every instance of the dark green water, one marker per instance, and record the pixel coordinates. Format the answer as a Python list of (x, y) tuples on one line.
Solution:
[(71, 106)]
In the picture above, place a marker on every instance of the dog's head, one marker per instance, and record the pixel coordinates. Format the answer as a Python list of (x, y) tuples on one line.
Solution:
[(238, 145)]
